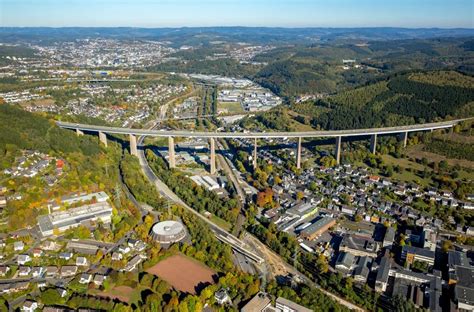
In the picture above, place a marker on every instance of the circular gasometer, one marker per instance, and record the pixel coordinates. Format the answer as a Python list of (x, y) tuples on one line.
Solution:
[(168, 232)]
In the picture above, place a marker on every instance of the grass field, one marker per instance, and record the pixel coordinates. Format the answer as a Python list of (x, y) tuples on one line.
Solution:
[(220, 222), (184, 274), (121, 293), (230, 108), (406, 176), (417, 152)]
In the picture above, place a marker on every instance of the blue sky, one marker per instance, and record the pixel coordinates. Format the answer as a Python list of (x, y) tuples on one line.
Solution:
[(284, 13)]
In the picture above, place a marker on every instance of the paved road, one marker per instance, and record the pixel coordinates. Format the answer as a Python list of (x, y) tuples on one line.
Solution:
[(299, 134)]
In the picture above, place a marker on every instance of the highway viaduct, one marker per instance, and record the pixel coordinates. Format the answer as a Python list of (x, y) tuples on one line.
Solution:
[(299, 135)]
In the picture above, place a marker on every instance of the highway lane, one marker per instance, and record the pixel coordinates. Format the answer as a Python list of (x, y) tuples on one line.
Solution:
[(298, 134)]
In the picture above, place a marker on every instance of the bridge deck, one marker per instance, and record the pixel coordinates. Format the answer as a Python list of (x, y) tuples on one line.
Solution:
[(299, 134)]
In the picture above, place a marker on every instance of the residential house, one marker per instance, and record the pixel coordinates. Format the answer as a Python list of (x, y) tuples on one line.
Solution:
[(86, 278), (23, 259), (132, 264), (117, 256), (24, 271), (65, 256), (81, 261), (222, 297), (99, 279), (62, 292), (50, 245), (29, 306), (37, 272), (37, 252), (4, 270), (68, 270), (52, 271), (18, 246)]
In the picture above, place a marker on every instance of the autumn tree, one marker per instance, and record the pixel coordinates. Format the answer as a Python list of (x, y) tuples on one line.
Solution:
[(265, 198)]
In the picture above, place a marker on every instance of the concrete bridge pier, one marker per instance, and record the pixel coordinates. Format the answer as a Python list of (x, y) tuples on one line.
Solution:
[(338, 149), (171, 154), (404, 137), (254, 158), (133, 145), (298, 154), (103, 138), (79, 132), (213, 156), (373, 143)]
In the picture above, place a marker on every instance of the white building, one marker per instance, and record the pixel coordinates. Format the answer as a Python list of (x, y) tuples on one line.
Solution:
[(18, 246), (64, 220)]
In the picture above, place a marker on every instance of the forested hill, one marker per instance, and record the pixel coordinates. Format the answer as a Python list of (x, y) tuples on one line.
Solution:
[(404, 99), (25, 130), (401, 100), (293, 71)]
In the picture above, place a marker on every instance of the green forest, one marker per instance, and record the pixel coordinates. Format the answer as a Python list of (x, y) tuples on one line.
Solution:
[(400, 100), (28, 131), (318, 68)]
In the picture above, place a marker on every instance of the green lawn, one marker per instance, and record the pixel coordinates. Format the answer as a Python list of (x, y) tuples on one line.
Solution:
[(409, 177), (404, 176), (402, 162), (220, 222), (230, 107)]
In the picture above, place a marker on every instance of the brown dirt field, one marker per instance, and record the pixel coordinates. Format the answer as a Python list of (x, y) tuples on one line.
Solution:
[(183, 273), (121, 293)]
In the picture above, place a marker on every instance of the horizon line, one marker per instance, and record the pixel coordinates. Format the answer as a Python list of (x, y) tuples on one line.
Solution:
[(253, 26)]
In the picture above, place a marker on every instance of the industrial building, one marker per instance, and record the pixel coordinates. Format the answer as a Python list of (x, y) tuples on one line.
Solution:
[(285, 305), (359, 245), (381, 281), (63, 220), (262, 302), (302, 211), (411, 254), (389, 238), (100, 197), (168, 232), (318, 228)]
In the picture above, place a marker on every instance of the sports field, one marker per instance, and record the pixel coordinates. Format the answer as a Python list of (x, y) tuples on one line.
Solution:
[(184, 274)]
